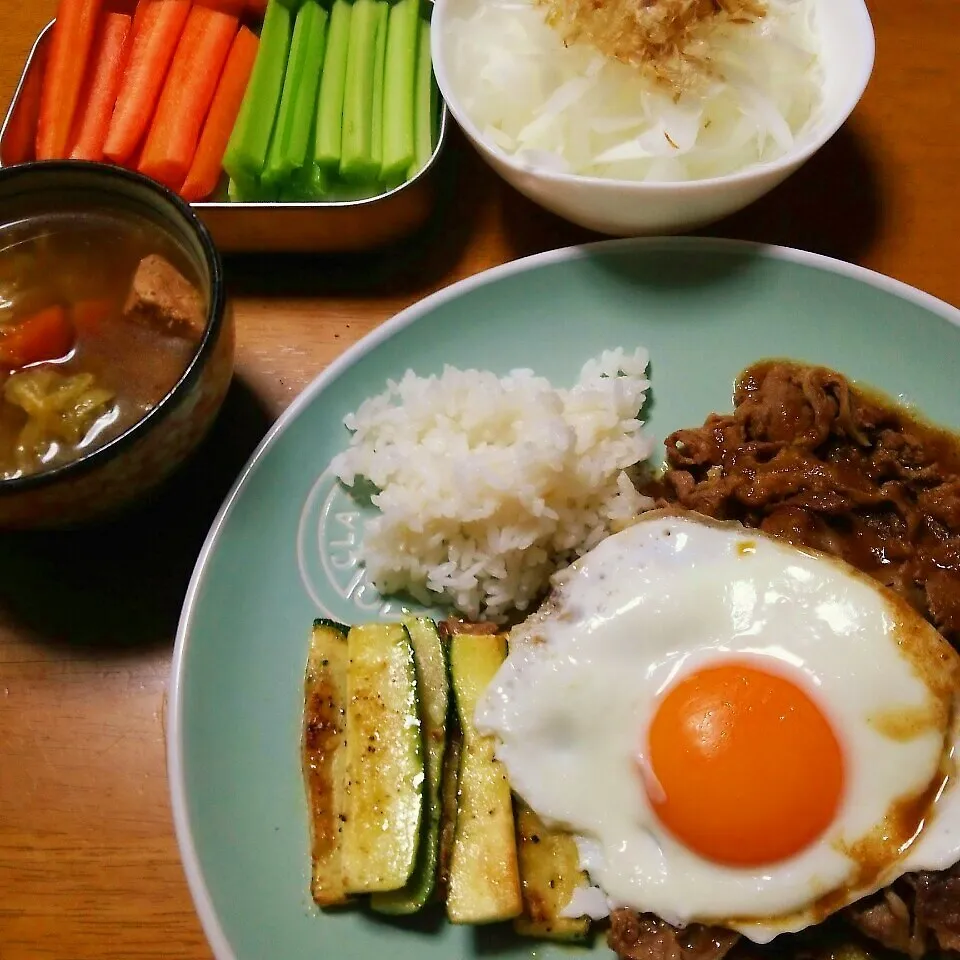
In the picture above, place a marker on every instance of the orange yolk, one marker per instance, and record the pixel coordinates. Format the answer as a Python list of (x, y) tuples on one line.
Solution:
[(742, 766)]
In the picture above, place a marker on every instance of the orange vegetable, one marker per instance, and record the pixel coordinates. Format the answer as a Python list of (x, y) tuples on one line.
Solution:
[(100, 89), (187, 95), (47, 335), (66, 65), (208, 161), (138, 15), (88, 315), (153, 49), (253, 8), (20, 142)]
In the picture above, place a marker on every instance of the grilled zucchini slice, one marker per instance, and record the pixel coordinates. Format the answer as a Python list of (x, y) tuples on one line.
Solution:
[(484, 884), (549, 873), (385, 768), (449, 789), (433, 687), (324, 757)]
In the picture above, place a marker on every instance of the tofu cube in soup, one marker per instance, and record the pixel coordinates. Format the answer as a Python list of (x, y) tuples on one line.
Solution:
[(164, 299)]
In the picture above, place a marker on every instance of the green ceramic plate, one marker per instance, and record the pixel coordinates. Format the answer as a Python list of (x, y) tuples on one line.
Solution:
[(282, 550)]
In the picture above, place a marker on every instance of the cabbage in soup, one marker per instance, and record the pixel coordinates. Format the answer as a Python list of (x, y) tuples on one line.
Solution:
[(100, 315)]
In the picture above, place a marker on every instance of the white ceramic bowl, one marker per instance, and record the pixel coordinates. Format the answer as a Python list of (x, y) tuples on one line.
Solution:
[(636, 208)]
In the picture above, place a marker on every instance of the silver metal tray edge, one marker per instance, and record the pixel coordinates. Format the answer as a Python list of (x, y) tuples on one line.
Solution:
[(334, 227)]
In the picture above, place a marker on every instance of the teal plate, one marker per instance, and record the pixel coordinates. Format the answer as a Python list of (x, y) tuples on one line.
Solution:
[(283, 549)]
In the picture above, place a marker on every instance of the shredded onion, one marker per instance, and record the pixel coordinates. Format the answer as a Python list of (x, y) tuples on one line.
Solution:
[(569, 108)]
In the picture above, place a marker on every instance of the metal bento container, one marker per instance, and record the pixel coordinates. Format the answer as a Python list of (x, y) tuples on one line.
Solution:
[(337, 226)]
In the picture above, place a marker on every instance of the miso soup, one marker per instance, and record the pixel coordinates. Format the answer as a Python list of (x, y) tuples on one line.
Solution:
[(100, 315)]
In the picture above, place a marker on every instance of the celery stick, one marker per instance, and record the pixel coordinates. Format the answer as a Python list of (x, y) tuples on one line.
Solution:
[(399, 75), (356, 158), (422, 109), (242, 189), (379, 64), (330, 103), (311, 181), (278, 165), (246, 152), (300, 146)]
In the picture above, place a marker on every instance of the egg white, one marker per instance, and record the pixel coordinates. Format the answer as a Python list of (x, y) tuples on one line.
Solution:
[(672, 594)]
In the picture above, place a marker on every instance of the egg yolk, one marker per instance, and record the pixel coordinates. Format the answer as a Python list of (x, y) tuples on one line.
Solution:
[(742, 766)]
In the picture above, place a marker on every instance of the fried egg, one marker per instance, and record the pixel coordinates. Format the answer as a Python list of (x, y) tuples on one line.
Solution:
[(737, 731)]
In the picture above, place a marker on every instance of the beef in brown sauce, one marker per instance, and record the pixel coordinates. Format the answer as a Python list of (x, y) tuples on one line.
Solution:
[(806, 457), (634, 936)]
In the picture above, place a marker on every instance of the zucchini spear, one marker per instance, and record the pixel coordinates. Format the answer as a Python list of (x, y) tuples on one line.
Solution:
[(433, 685), (549, 874), (385, 765), (324, 757), (484, 884)]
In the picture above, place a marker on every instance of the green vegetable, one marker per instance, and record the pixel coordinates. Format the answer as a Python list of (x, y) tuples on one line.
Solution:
[(430, 658), (330, 104), (288, 147), (249, 190), (403, 31), (385, 762), (356, 158), (484, 883), (379, 65), (424, 124), (324, 758), (246, 152), (549, 874)]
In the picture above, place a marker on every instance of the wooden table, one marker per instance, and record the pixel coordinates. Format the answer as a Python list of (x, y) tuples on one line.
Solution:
[(88, 862)]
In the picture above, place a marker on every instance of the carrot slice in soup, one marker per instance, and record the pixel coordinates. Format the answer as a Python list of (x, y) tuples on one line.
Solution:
[(153, 49), (47, 335), (89, 315), (100, 89), (208, 161), (187, 94), (69, 52)]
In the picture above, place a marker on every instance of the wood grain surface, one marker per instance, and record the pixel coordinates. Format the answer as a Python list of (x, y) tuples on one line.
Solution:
[(88, 862)]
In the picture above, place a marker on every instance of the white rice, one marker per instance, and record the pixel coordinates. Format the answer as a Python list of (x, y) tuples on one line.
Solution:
[(488, 485)]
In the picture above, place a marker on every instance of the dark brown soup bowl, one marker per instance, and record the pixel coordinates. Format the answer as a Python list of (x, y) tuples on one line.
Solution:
[(106, 479)]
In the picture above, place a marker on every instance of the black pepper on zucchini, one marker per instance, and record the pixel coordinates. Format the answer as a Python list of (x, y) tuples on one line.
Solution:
[(385, 760), (484, 883), (324, 757), (549, 874), (433, 688)]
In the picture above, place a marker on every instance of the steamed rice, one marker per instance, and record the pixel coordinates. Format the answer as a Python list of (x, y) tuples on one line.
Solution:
[(487, 485)]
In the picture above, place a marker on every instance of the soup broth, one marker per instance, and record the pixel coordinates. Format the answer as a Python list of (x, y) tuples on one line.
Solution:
[(100, 315)]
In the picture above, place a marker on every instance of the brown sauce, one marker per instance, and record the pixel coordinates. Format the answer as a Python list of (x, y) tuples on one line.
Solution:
[(73, 262), (808, 457)]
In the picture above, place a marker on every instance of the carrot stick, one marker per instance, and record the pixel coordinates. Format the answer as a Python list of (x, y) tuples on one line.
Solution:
[(138, 16), (20, 141), (208, 161), (153, 49), (187, 95), (100, 88), (46, 335), (69, 52)]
